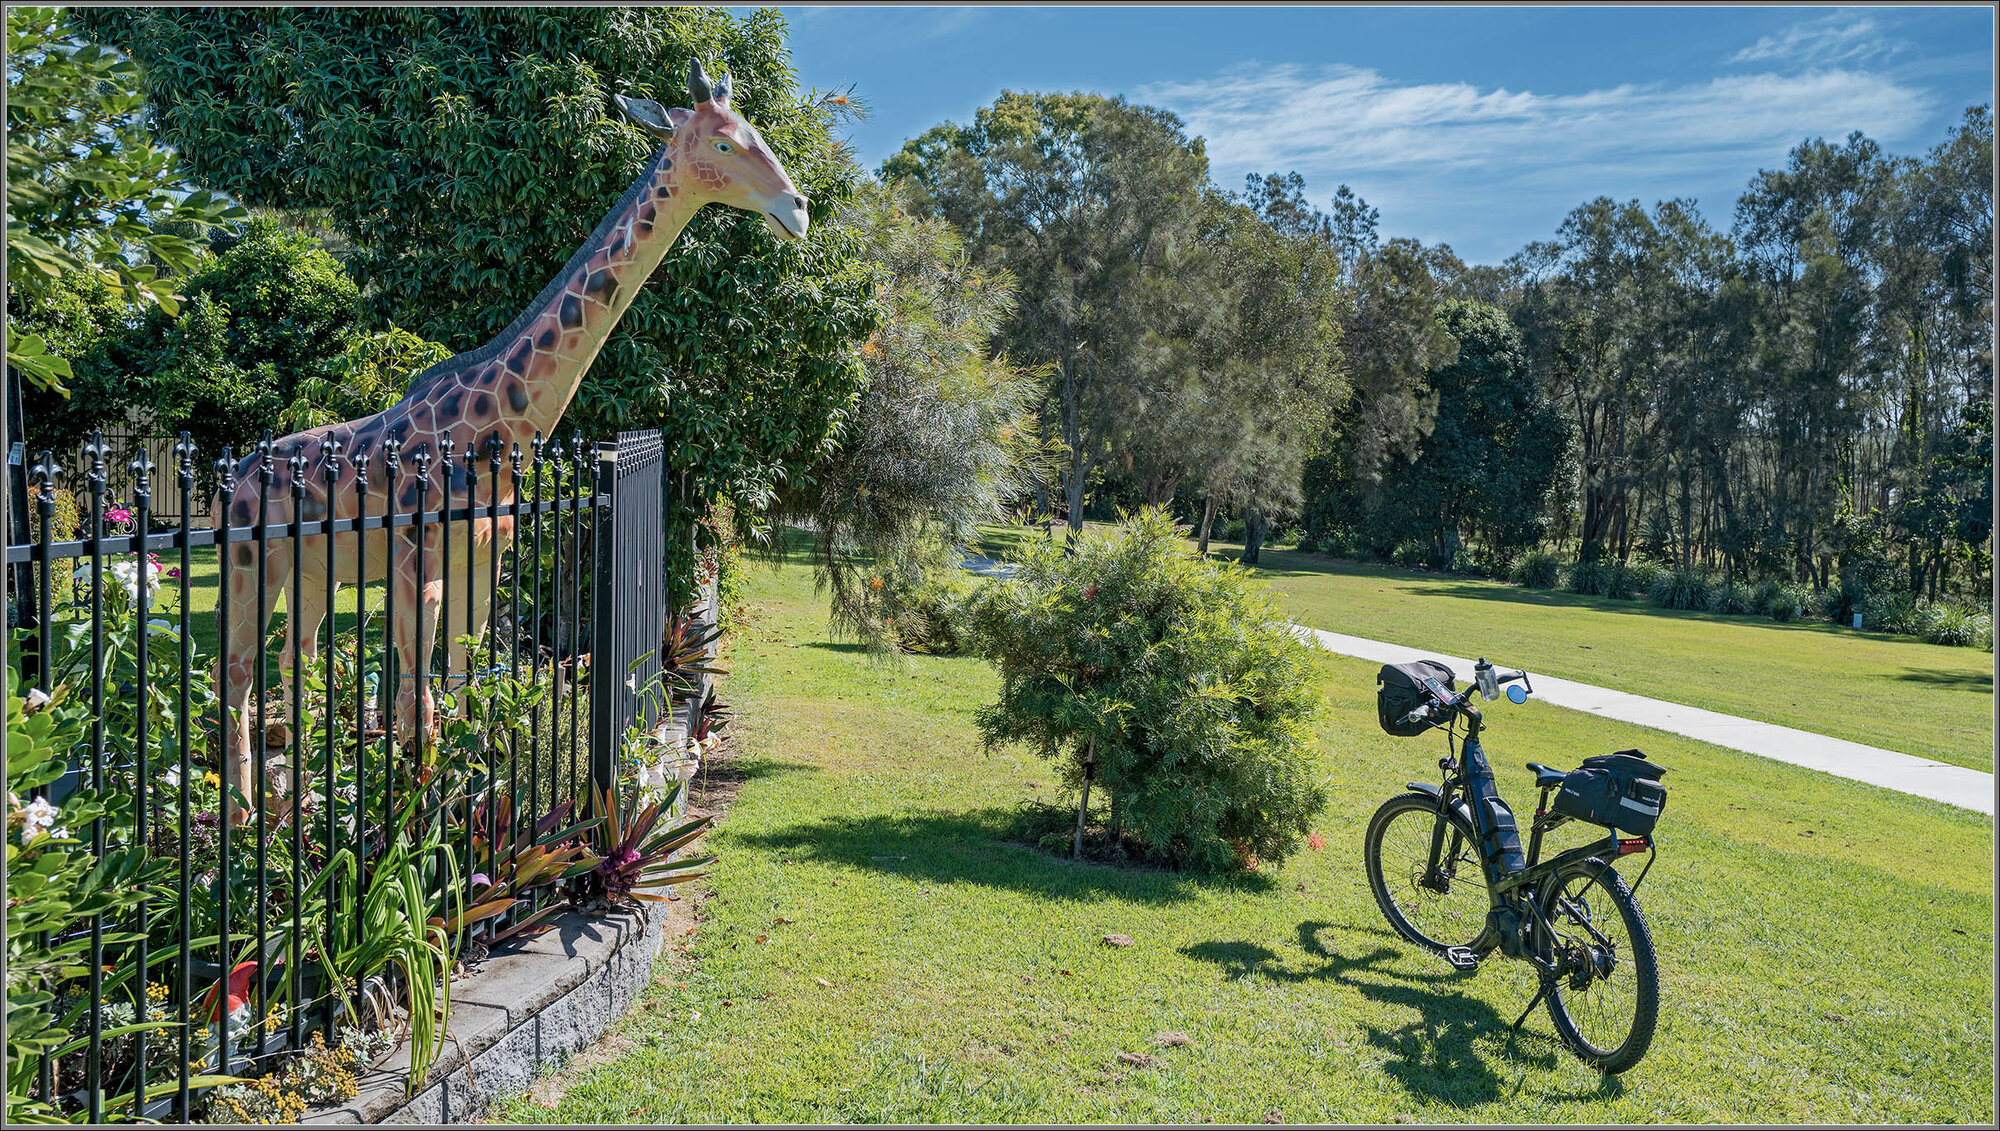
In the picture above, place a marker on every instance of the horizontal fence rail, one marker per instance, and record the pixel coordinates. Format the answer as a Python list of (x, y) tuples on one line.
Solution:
[(450, 682)]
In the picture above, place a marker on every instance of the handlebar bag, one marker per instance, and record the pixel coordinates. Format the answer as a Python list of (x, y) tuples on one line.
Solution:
[(1618, 791), (1400, 690)]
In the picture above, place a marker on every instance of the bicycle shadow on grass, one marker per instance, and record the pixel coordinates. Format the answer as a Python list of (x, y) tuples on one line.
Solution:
[(1436, 1056), (979, 846)]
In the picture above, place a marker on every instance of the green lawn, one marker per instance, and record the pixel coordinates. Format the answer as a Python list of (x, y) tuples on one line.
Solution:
[(873, 949), (1890, 691)]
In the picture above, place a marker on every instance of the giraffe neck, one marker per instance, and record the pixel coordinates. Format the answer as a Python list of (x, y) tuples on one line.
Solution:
[(521, 382)]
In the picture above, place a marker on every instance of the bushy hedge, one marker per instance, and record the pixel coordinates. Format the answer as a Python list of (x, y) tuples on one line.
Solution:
[(1168, 682)]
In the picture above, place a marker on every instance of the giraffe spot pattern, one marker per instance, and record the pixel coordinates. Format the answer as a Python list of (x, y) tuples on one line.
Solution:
[(571, 312)]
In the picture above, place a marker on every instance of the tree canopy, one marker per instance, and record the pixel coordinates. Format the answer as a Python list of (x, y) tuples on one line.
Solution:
[(466, 152)]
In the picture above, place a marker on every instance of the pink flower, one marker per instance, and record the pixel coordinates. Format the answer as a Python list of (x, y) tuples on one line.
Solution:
[(174, 572), (118, 514)]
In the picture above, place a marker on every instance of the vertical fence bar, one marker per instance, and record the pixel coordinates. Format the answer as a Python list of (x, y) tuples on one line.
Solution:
[(225, 596), (579, 467), (606, 664), (44, 474), (423, 676), (514, 664), (94, 1056), (492, 640), (142, 520), (391, 677), (295, 602), (184, 476), (329, 767), (261, 741), (471, 617), (556, 625), (441, 625), (534, 643)]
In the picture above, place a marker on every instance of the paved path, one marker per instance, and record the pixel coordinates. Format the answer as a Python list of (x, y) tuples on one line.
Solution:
[(1954, 785), (1939, 781)]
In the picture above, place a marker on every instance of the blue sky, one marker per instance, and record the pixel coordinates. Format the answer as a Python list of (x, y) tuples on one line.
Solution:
[(1478, 127)]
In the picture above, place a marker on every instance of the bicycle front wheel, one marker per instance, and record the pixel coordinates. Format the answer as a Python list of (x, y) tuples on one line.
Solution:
[(1607, 1001), (1436, 909)]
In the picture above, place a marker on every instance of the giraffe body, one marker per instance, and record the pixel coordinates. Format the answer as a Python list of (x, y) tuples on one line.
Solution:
[(508, 392)]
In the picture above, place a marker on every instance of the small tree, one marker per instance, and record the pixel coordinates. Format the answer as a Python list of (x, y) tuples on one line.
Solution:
[(1168, 682)]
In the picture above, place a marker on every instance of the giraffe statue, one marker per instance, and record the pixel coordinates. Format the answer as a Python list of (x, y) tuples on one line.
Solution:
[(506, 392)]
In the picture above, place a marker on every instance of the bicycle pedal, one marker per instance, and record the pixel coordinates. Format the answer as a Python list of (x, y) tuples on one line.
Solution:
[(1462, 958)]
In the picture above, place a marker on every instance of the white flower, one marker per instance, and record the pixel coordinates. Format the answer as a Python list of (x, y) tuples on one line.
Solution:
[(172, 777), (41, 814), (652, 777), (127, 574), (37, 699), (59, 834)]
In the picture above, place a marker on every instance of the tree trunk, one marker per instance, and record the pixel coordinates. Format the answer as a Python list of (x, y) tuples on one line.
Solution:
[(1083, 803), (1254, 527), (1208, 508)]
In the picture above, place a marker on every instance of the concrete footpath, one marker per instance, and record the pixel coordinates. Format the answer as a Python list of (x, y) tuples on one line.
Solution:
[(1954, 785)]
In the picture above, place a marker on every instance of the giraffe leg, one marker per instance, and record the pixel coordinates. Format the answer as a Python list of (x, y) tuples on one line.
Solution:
[(304, 614), (479, 601), (241, 650), (416, 635)]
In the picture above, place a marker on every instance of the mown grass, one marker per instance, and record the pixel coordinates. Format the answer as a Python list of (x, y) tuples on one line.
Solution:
[(873, 948), (1885, 690)]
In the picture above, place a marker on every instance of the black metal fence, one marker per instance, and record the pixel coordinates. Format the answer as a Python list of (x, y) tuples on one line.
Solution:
[(254, 774)]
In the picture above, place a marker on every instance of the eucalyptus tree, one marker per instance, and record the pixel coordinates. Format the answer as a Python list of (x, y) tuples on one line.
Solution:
[(1093, 204)]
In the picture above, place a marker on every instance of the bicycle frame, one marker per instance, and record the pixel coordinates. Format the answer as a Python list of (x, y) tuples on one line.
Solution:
[(1513, 892)]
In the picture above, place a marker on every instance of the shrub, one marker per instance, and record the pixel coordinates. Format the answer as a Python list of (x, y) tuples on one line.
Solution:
[(1166, 680), (1680, 589), (1732, 598), (1584, 577), (1791, 600), (1895, 612), (1410, 554), (1766, 592), (1536, 569), (1640, 579), (1845, 600), (1949, 622)]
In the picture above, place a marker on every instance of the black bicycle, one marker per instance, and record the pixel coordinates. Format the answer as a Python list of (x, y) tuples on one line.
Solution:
[(1447, 867)]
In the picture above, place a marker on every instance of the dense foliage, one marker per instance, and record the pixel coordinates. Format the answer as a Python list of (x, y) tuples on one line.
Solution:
[(1165, 680), (466, 152), (942, 436), (1094, 205), (87, 186)]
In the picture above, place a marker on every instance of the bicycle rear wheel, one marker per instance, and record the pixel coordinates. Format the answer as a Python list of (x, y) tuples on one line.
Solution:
[(1606, 1006), (1434, 911)]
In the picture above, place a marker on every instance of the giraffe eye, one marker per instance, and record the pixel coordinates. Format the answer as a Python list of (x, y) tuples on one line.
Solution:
[(724, 147)]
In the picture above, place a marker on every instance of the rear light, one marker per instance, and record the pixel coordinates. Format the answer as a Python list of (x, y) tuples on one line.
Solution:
[(1638, 844)]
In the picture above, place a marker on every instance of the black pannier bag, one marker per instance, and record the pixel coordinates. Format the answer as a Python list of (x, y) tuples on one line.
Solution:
[(1620, 791), (1400, 691)]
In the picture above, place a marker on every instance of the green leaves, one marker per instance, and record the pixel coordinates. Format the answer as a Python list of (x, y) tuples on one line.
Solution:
[(467, 152), (1179, 679), (88, 191)]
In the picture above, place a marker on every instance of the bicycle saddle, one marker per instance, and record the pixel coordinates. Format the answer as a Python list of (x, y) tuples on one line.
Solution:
[(1545, 777)]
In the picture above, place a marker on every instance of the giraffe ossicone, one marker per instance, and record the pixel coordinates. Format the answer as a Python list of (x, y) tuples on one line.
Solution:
[(510, 391)]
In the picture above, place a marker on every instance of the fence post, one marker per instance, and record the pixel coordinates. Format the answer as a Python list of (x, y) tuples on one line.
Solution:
[(604, 613)]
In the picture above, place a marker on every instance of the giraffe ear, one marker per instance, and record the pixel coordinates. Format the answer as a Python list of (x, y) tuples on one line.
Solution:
[(652, 117)]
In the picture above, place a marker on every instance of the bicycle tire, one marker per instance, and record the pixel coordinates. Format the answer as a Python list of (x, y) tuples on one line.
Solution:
[(1567, 1005), (1462, 908)]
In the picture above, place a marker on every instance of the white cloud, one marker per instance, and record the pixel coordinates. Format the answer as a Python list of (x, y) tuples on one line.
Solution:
[(1337, 121), (1818, 43)]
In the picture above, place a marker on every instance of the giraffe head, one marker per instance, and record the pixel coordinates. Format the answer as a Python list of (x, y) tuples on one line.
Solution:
[(721, 157)]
